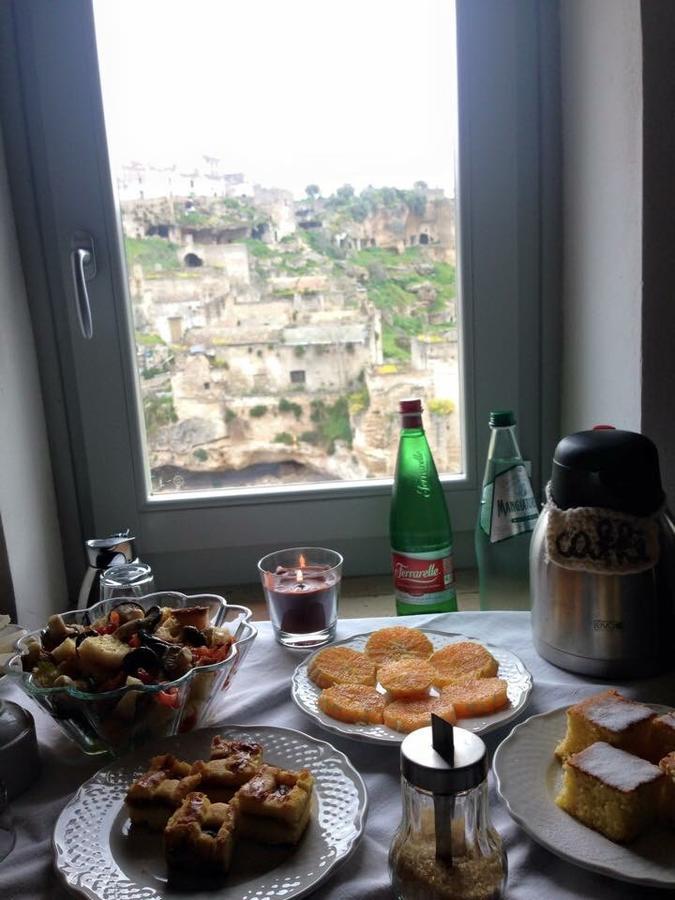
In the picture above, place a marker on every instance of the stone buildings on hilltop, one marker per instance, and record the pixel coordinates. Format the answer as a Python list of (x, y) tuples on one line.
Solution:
[(247, 347)]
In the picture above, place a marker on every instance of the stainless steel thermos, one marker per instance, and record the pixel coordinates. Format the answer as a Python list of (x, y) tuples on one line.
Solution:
[(602, 559)]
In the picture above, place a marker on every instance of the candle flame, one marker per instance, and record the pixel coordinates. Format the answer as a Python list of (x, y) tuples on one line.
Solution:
[(298, 575), (301, 562)]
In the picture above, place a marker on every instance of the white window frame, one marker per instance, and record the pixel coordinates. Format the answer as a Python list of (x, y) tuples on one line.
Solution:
[(507, 235)]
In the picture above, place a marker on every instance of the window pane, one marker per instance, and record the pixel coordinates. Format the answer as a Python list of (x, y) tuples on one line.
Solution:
[(285, 177)]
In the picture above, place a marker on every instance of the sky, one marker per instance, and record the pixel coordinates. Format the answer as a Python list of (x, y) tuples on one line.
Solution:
[(289, 92)]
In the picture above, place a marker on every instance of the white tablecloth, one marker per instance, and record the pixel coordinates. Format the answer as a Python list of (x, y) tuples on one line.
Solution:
[(534, 873)]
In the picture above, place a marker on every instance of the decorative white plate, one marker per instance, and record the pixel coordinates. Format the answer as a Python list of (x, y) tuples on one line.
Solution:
[(529, 776), (306, 694), (96, 858)]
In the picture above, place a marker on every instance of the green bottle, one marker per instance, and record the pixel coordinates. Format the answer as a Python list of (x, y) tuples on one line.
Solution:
[(508, 512), (419, 524)]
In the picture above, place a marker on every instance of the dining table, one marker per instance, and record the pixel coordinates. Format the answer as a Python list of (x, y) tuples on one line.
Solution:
[(261, 695)]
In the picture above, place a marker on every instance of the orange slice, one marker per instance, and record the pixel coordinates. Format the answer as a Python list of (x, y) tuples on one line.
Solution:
[(406, 678), (341, 665), (398, 642), (478, 697), (461, 661), (355, 703), (408, 715)]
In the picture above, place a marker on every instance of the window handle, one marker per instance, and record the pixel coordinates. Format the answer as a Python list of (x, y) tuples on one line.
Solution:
[(83, 266)]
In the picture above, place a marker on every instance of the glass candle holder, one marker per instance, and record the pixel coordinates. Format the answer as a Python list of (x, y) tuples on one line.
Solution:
[(302, 589)]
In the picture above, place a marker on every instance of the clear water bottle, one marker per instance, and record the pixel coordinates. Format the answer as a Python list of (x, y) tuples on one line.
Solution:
[(508, 512), (419, 524)]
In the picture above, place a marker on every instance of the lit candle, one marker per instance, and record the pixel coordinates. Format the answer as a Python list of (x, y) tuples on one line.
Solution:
[(302, 588)]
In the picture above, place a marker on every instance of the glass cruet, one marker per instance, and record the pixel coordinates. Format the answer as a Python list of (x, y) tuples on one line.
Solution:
[(445, 847)]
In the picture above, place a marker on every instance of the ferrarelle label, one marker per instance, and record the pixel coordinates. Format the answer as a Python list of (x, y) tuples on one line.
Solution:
[(422, 577), (509, 506)]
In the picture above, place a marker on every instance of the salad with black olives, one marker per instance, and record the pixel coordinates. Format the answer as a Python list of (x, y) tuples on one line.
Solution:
[(129, 646)]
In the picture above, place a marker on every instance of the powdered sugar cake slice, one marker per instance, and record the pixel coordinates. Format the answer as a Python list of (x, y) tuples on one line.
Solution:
[(611, 791), (608, 717), (528, 780), (615, 712), (619, 770)]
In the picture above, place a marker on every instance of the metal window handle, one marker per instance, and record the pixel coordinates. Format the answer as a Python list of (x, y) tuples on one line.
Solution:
[(83, 266)]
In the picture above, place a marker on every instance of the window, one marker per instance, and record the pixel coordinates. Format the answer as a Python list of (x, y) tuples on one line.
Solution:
[(198, 537), (323, 268)]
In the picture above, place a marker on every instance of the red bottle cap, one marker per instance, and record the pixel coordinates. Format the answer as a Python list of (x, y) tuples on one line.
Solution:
[(604, 428), (410, 406)]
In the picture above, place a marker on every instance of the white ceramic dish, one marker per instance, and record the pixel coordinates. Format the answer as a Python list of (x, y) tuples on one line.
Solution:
[(306, 694), (528, 780), (96, 859)]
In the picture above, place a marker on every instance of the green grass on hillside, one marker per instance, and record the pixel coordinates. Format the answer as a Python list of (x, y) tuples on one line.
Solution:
[(151, 252)]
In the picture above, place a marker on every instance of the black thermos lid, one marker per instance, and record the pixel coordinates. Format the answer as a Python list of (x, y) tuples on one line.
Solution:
[(608, 468)]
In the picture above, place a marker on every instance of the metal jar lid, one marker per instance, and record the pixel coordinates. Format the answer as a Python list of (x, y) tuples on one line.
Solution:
[(425, 768)]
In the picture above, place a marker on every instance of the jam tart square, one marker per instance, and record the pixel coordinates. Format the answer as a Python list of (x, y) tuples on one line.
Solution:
[(199, 836), (156, 793), (232, 764), (274, 806)]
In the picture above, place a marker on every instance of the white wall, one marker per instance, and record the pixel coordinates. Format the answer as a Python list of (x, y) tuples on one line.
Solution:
[(27, 503), (601, 62)]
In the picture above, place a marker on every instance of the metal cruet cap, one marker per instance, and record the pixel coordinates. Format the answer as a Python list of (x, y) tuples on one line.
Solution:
[(115, 550), (425, 768)]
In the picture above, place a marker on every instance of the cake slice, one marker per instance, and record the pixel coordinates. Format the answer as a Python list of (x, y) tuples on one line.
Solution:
[(154, 796), (662, 738), (199, 836), (274, 806), (232, 764), (611, 791), (667, 766), (610, 718)]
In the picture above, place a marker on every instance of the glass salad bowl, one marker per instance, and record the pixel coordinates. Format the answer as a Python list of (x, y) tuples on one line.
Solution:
[(114, 718)]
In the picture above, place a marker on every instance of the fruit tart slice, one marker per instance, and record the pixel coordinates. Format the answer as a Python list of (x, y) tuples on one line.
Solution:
[(199, 836), (274, 806), (232, 764), (154, 796)]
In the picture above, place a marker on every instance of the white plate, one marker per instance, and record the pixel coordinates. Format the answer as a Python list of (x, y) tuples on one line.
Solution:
[(528, 779), (306, 694), (96, 859)]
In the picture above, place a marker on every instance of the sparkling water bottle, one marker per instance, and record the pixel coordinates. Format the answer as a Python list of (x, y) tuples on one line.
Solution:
[(508, 512), (419, 524)]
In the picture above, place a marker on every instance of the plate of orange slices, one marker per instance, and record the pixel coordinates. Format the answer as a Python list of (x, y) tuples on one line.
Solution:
[(379, 686)]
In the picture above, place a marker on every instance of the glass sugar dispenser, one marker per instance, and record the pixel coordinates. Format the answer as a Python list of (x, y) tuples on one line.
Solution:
[(446, 847)]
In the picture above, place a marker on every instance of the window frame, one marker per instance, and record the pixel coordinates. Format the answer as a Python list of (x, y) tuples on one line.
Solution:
[(507, 230)]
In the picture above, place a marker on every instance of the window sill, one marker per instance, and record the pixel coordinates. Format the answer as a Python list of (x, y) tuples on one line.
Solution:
[(361, 597)]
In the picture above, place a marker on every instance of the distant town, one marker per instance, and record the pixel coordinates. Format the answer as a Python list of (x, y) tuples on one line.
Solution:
[(275, 336)]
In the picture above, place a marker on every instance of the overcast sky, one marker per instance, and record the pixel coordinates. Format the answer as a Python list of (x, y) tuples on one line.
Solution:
[(289, 92)]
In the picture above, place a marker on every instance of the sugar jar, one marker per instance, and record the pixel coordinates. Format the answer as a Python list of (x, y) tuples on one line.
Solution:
[(445, 847)]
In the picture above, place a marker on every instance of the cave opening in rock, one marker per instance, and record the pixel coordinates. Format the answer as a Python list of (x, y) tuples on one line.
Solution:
[(192, 261)]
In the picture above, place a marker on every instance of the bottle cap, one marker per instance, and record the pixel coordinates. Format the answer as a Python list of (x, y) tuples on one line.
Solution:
[(502, 418), (410, 406), (426, 768)]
